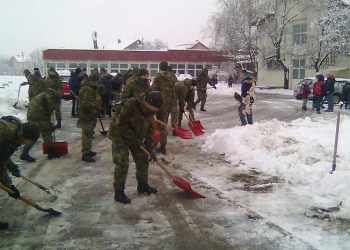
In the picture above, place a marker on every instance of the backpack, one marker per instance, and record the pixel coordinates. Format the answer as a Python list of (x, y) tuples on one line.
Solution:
[(318, 88)]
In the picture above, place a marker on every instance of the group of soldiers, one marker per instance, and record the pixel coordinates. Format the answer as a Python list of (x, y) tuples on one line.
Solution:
[(136, 105)]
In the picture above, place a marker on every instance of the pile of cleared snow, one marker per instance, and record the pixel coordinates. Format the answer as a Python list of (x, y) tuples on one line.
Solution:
[(300, 152), (9, 87)]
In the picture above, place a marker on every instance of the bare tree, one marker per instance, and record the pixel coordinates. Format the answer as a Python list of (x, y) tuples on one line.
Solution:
[(157, 44), (35, 59)]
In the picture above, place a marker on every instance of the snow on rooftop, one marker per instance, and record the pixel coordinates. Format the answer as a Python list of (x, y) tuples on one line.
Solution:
[(122, 45)]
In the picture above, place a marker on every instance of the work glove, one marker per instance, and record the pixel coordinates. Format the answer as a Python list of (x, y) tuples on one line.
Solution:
[(153, 156), (14, 189), (16, 172)]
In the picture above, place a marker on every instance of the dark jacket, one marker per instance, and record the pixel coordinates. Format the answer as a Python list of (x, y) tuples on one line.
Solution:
[(74, 82), (117, 83), (106, 81), (247, 82), (330, 84), (305, 91)]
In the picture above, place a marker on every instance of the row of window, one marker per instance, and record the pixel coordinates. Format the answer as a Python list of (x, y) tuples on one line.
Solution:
[(181, 68)]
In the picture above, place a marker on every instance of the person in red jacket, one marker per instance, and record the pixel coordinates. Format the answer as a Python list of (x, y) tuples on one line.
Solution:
[(305, 95)]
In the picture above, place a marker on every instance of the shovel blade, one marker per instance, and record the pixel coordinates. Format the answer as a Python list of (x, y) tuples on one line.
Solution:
[(181, 183), (156, 137), (198, 124), (183, 133), (196, 130), (104, 133)]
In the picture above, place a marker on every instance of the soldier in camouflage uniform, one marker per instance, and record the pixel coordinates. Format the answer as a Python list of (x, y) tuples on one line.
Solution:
[(202, 81), (89, 108), (137, 87), (164, 82), (29, 77), (39, 111), (186, 98), (131, 127), (12, 134), (37, 84), (53, 81), (178, 102)]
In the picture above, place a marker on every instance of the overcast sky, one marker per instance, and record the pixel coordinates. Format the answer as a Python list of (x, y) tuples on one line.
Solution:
[(30, 24)]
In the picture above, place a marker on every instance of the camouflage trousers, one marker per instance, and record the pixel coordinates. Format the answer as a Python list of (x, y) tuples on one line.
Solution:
[(163, 116), (120, 154), (46, 128), (58, 111), (87, 134), (202, 98), (174, 113)]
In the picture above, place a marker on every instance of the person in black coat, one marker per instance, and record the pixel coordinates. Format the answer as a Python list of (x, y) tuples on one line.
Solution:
[(117, 86), (74, 86)]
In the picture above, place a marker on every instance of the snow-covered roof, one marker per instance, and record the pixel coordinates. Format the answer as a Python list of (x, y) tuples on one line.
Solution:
[(19, 58), (186, 46), (122, 45)]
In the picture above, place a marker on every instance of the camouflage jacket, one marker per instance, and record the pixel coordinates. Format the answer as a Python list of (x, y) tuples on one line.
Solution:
[(41, 105), (135, 88), (180, 94), (37, 86), (164, 83), (54, 82), (89, 102), (132, 120), (10, 137), (202, 81)]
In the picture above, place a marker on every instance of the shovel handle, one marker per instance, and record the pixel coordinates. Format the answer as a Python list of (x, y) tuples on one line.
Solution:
[(29, 202), (164, 124), (160, 165), (74, 94), (36, 184), (188, 118)]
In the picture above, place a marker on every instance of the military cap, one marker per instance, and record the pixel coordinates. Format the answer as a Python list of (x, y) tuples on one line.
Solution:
[(94, 77), (163, 65), (143, 72), (155, 98), (100, 88)]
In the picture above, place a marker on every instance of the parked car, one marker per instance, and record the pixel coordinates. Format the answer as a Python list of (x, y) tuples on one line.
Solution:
[(65, 93), (338, 87)]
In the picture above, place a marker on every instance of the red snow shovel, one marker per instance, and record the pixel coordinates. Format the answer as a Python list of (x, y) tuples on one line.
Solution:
[(156, 136), (59, 147), (180, 132), (195, 126), (181, 183)]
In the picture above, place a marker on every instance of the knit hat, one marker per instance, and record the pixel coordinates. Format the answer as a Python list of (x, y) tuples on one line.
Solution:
[(31, 131), (143, 72), (77, 71), (94, 77), (163, 65), (155, 98), (193, 82), (36, 69), (103, 70), (100, 88), (52, 69), (26, 72)]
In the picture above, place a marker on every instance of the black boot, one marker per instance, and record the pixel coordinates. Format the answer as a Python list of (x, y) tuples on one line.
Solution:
[(58, 125), (92, 153), (25, 155), (202, 109), (161, 149), (87, 158), (52, 154), (173, 133), (179, 124), (4, 225), (143, 188), (119, 196)]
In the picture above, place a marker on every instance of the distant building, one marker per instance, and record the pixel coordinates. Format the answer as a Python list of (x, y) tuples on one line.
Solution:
[(191, 46), (16, 65), (126, 45), (189, 60)]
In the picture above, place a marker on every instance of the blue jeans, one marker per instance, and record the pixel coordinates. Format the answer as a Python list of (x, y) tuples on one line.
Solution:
[(330, 101)]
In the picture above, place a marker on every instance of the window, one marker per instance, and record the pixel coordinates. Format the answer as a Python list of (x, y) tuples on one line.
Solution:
[(104, 65), (299, 34), (124, 66), (191, 72), (154, 66), (134, 65), (49, 65), (330, 60), (153, 73), (299, 69), (61, 65), (82, 65), (93, 65), (191, 66), (73, 65), (114, 65), (143, 66)]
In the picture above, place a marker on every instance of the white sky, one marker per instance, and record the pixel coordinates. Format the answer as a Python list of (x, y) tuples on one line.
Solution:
[(28, 25)]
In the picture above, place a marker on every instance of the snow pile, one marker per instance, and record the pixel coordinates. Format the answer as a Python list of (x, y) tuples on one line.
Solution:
[(9, 86), (300, 152)]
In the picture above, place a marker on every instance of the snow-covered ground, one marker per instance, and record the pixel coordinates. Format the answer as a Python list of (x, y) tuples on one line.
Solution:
[(297, 155)]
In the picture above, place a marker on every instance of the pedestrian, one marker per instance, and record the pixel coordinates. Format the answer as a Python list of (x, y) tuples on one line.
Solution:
[(164, 82), (189, 100), (132, 126), (29, 77), (305, 95), (202, 81), (105, 79), (74, 85), (40, 111), (37, 84), (318, 92), (248, 98), (345, 95), (137, 87), (230, 81), (117, 86), (214, 79), (330, 91), (13, 133), (54, 82), (89, 109)]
